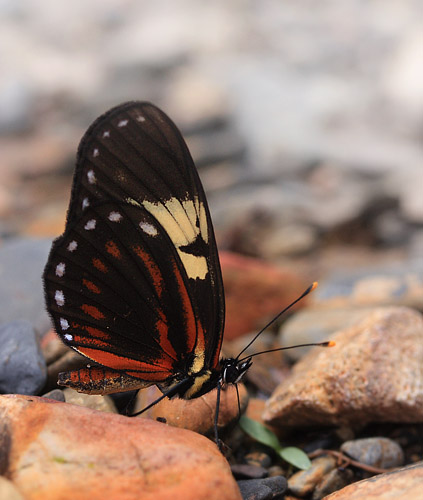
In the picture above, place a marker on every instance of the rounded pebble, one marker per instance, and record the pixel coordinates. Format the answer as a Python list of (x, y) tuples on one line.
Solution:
[(22, 366)]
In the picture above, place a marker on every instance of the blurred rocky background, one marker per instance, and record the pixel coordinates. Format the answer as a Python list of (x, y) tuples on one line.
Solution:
[(304, 119)]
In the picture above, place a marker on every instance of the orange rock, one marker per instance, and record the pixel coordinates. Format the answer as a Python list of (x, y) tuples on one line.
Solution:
[(401, 484), (58, 451), (196, 414), (255, 292), (372, 374)]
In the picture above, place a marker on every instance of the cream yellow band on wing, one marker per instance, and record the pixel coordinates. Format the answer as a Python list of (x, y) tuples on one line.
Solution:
[(179, 219), (198, 384)]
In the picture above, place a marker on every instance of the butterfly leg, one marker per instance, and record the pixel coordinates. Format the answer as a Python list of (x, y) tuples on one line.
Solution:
[(216, 417), (170, 393)]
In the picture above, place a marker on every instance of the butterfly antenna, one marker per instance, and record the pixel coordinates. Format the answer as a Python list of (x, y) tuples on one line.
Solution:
[(216, 417), (306, 292), (329, 343), (128, 405), (239, 403)]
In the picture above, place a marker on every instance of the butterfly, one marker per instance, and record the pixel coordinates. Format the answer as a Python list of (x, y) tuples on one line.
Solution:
[(134, 283)]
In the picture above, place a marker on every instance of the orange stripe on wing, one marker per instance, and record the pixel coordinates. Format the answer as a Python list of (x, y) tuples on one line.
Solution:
[(91, 286), (163, 331), (92, 311), (190, 322), (144, 371), (100, 265), (95, 332), (157, 278), (113, 249), (152, 268), (90, 341)]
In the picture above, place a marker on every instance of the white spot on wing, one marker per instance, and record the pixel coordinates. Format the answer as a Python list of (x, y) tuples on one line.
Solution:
[(90, 225), (64, 324), (60, 269), (115, 216), (106, 133), (85, 203), (68, 336), (91, 177), (59, 297), (140, 118), (123, 123), (73, 245), (148, 228), (95, 152)]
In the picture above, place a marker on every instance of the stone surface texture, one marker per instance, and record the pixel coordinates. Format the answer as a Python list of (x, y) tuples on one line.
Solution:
[(57, 451), (374, 373)]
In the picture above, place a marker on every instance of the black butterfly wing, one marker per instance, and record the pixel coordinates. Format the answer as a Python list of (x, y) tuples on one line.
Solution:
[(134, 166)]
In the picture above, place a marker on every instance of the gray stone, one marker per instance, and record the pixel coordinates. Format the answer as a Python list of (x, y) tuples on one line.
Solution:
[(22, 262), (270, 488), (377, 452), (55, 394), (22, 366)]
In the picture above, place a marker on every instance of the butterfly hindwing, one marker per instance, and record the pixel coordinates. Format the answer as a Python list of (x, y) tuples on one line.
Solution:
[(134, 283)]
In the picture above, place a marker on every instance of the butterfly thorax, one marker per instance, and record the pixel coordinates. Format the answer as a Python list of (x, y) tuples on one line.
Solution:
[(229, 371)]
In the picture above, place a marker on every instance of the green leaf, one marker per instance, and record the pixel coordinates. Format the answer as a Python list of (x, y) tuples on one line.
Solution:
[(262, 434), (295, 457), (259, 432)]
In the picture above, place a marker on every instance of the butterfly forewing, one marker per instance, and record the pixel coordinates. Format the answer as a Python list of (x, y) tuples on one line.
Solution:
[(134, 283)]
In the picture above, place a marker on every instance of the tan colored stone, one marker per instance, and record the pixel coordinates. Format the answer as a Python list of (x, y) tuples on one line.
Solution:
[(374, 373), (52, 347), (8, 490), (93, 401), (303, 482), (400, 484), (195, 414), (57, 451)]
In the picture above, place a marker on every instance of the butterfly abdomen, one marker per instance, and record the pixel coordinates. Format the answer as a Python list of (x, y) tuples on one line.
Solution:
[(99, 380)]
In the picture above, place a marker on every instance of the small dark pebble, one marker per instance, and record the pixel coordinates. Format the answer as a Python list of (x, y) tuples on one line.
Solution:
[(248, 471), (55, 394), (270, 488), (22, 366), (258, 458), (275, 470), (125, 401)]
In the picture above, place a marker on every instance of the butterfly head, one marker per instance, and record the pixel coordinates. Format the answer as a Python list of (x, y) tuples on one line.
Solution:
[(233, 370)]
